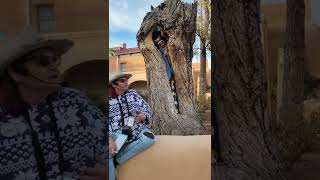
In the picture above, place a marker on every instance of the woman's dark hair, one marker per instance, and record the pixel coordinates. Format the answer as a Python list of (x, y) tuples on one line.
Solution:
[(19, 67), (156, 34), (115, 82), (10, 98), (111, 91)]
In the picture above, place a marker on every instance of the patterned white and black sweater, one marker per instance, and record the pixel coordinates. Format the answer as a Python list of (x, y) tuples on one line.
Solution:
[(131, 104), (83, 133)]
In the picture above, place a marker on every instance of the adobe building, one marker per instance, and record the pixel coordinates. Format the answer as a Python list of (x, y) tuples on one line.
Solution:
[(130, 60), (83, 21)]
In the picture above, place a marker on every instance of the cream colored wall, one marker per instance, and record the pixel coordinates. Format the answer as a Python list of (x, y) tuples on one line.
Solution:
[(89, 77), (75, 16), (83, 21), (137, 76), (12, 16), (135, 62), (135, 66), (71, 16), (312, 60), (112, 65), (87, 46), (176, 157)]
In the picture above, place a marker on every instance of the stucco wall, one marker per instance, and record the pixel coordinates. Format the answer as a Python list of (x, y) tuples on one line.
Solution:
[(12, 16)]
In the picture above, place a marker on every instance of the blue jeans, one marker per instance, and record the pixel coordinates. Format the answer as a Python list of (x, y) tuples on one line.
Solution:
[(143, 141)]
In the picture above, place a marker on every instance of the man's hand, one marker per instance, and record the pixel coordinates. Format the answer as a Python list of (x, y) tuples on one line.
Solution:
[(112, 146), (99, 172), (139, 117)]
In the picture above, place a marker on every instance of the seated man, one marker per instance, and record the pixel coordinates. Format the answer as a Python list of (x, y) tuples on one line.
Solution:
[(127, 105), (46, 131)]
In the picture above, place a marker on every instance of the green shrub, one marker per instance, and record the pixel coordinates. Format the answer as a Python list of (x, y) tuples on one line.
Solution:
[(208, 90), (273, 91), (203, 103)]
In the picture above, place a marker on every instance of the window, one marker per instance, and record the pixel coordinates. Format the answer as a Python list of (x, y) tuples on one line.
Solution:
[(123, 67), (314, 13), (45, 18)]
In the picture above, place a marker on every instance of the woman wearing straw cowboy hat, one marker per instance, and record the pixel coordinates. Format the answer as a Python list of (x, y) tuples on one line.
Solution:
[(46, 131), (129, 114)]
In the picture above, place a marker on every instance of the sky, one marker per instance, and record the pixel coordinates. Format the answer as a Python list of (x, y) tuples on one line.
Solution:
[(125, 18)]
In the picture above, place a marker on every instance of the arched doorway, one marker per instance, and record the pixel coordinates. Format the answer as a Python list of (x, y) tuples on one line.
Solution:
[(141, 87), (91, 78)]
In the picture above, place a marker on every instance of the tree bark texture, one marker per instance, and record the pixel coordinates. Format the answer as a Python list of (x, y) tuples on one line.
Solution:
[(293, 65), (247, 151), (178, 19), (203, 70), (204, 38)]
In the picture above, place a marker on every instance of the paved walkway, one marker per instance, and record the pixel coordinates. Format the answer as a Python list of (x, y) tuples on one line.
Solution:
[(308, 167)]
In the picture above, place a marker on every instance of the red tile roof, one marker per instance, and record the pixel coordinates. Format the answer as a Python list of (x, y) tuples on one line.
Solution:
[(126, 51)]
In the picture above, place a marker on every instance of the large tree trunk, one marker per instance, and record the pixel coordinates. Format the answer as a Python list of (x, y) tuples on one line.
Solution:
[(246, 147), (178, 19), (204, 36), (203, 65), (293, 65)]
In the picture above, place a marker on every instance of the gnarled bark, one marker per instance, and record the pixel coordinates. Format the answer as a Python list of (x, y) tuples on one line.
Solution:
[(178, 19), (247, 151)]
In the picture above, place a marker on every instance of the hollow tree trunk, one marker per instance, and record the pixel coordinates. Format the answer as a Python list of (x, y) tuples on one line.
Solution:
[(247, 151), (178, 19)]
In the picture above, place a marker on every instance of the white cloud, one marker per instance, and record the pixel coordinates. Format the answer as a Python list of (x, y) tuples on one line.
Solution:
[(127, 15), (131, 43)]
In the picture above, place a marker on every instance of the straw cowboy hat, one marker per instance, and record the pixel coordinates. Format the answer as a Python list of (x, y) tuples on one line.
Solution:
[(25, 42), (116, 75)]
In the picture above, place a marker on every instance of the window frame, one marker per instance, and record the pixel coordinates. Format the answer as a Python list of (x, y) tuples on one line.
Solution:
[(40, 19), (121, 67)]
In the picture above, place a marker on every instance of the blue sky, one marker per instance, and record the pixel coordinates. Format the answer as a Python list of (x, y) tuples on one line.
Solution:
[(125, 18)]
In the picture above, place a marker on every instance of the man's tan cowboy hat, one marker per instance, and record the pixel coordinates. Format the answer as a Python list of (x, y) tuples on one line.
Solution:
[(25, 42), (116, 75)]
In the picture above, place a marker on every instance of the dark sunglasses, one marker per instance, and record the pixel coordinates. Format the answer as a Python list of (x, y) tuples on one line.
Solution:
[(43, 59)]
